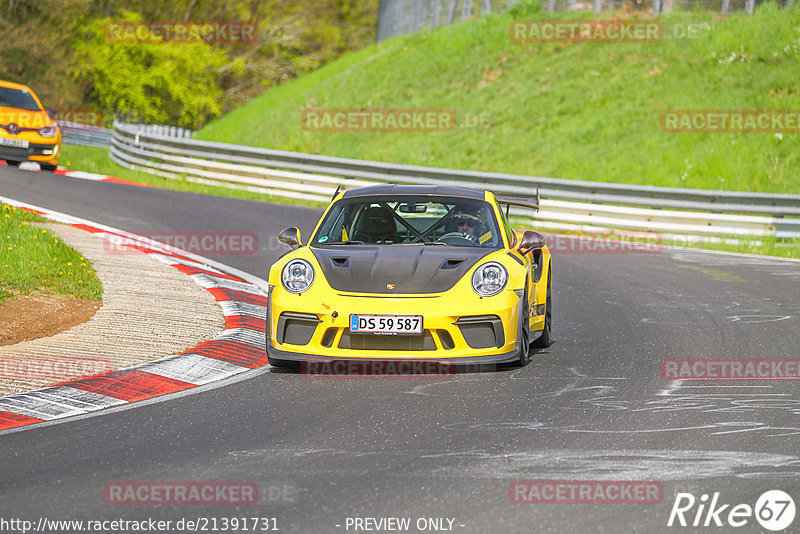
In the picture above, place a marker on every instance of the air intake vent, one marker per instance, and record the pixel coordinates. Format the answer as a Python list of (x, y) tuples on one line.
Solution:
[(446, 339), (327, 339), (451, 264), (343, 261), (482, 331), (296, 328), (372, 342)]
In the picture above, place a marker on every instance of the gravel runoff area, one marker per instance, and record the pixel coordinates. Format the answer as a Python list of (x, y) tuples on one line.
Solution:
[(150, 310)]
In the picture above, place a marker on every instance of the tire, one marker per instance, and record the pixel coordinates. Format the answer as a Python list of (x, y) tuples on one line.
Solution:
[(48, 167), (546, 339), (525, 354), (525, 346)]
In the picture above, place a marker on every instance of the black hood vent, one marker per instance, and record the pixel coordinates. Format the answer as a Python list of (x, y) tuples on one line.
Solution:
[(452, 264), (340, 261)]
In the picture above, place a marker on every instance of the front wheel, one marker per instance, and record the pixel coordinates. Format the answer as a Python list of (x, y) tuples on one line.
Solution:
[(525, 345), (545, 340)]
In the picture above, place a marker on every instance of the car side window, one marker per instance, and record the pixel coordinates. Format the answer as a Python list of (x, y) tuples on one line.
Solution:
[(512, 237)]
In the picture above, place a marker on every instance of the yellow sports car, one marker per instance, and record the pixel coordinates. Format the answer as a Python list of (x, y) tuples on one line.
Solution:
[(412, 273), (27, 133)]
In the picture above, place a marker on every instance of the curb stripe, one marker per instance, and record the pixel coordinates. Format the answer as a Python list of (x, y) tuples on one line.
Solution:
[(190, 270), (222, 294), (207, 281), (166, 253), (129, 385), (171, 259), (192, 368), (243, 321), (244, 335), (231, 307), (78, 398), (84, 227), (232, 352), (112, 180), (97, 177), (33, 404), (56, 402), (13, 420)]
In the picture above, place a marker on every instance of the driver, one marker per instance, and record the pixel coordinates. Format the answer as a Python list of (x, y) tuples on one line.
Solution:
[(467, 222)]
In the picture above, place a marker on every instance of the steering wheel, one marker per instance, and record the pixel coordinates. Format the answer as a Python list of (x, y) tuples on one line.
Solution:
[(457, 238)]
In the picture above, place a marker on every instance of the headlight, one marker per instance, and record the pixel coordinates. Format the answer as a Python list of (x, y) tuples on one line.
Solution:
[(48, 131), (489, 279), (297, 276)]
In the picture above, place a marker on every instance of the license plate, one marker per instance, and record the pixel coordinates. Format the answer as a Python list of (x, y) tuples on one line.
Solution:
[(385, 324), (16, 143)]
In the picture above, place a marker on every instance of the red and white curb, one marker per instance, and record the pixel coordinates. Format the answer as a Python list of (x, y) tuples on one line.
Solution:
[(97, 177), (239, 348), (34, 166)]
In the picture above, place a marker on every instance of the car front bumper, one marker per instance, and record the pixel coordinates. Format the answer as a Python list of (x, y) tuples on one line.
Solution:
[(40, 152), (480, 331)]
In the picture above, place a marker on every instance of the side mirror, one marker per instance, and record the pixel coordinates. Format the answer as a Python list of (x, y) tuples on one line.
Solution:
[(51, 112), (290, 237), (531, 241)]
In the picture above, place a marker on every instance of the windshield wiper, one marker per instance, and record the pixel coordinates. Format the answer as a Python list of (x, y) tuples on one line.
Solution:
[(343, 243), (441, 243)]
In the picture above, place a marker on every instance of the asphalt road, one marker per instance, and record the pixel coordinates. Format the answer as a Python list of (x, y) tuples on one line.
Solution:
[(591, 407)]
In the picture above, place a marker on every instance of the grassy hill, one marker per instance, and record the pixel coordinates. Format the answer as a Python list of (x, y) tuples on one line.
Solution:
[(573, 110)]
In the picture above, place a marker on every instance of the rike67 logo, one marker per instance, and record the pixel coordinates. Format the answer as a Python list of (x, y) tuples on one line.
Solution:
[(774, 510)]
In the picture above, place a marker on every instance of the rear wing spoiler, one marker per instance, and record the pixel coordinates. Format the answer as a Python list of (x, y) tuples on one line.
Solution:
[(519, 200)]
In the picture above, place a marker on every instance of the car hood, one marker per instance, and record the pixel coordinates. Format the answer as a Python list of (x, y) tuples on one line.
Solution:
[(396, 269), (24, 118)]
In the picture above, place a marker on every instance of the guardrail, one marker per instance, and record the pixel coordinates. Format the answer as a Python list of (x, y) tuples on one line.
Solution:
[(565, 204), (73, 133)]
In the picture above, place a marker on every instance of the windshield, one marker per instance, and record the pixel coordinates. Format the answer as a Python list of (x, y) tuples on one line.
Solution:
[(410, 220), (14, 98)]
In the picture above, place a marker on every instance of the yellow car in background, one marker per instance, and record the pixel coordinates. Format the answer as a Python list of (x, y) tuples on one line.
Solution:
[(27, 133), (425, 273)]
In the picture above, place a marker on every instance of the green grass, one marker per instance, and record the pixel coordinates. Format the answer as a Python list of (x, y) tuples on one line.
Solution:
[(578, 111), (97, 160), (766, 246), (35, 259)]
